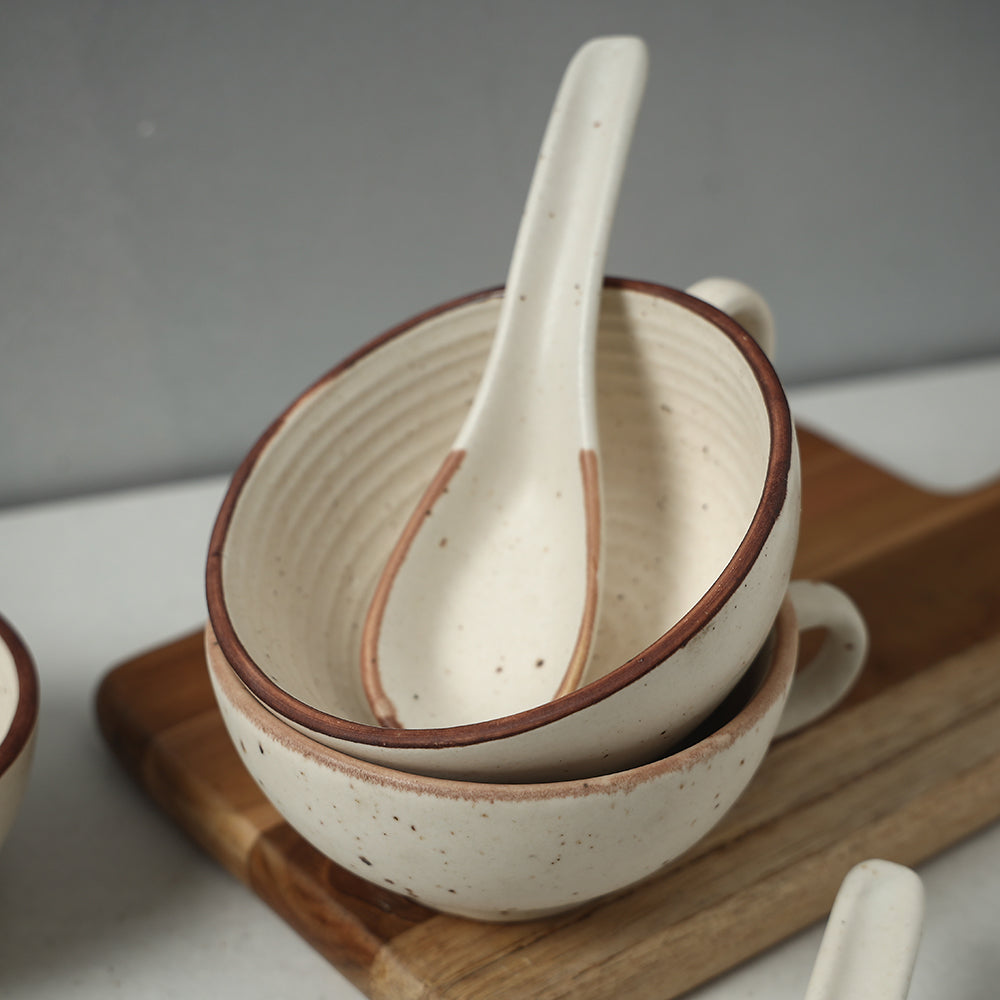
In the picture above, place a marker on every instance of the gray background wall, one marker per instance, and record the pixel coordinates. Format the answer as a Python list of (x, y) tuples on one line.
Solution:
[(207, 204)]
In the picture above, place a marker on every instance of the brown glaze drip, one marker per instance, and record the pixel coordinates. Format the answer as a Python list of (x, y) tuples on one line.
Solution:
[(382, 705), (590, 475)]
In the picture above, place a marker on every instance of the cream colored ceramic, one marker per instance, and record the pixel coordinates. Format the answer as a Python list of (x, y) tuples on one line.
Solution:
[(18, 722), (871, 939), (498, 565), (701, 512), (516, 851)]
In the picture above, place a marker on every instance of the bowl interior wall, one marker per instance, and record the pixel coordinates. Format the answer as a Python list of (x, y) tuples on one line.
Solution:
[(684, 437)]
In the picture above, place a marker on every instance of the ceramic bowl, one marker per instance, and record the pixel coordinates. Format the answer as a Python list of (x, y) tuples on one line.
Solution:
[(518, 851), (701, 495), (18, 722)]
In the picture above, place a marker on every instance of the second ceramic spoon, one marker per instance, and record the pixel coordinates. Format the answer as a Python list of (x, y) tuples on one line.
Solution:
[(487, 603), (871, 939)]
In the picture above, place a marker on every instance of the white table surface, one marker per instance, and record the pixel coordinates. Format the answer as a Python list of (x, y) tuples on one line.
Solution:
[(101, 896)]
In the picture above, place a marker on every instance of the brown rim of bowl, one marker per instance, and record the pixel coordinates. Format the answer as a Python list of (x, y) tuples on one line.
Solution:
[(311, 718), (743, 714), (26, 713)]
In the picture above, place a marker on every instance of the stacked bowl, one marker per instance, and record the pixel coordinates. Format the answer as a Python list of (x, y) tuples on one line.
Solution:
[(692, 667)]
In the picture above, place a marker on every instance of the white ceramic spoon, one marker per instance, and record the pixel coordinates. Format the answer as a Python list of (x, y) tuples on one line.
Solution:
[(871, 938), (488, 601)]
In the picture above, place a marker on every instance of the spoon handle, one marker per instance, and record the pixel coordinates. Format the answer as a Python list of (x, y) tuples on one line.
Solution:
[(548, 319), (871, 939)]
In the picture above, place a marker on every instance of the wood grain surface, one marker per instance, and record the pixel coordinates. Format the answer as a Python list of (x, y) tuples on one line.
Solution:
[(907, 766)]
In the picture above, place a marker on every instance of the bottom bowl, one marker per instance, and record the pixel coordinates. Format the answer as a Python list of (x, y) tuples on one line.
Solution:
[(511, 851)]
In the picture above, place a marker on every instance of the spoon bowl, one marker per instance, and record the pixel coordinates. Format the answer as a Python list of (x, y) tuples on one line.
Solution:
[(18, 722)]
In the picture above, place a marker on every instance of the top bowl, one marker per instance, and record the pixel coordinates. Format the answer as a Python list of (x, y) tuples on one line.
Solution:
[(18, 722), (701, 503)]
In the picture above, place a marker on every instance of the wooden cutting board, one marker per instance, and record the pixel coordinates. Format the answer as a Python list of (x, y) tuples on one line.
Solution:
[(907, 766)]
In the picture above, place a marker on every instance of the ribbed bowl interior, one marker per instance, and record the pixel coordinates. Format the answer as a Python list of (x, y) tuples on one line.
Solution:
[(684, 437)]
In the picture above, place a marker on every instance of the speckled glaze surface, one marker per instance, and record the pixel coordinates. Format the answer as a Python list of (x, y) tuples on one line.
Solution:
[(514, 851), (701, 493), (18, 722)]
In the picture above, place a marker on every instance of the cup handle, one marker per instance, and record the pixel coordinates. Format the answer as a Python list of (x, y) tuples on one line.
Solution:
[(741, 302), (820, 684)]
